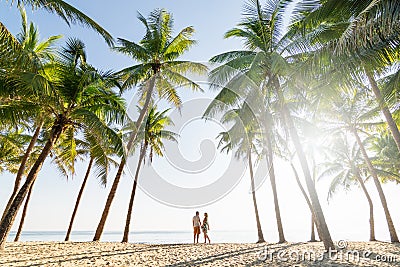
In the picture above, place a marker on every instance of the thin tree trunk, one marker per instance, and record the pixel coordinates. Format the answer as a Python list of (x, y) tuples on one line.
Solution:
[(384, 108), (111, 195), (392, 230), (274, 191), (322, 227), (78, 199), (312, 239), (9, 218), (371, 206), (23, 216), (21, 169), (253, 192), (130, 207), (304, 193)]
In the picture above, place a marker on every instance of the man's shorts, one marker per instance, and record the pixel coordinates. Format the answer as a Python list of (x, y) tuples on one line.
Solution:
[(196, 230)]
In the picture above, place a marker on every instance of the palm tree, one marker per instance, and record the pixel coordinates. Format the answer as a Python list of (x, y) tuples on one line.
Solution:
[(307, 199), (154, 133), (350, 111), (286, 154), (269, 135), (392, 230), (158, 70), (23, 215), (241, 137), (360, 38), (40, 52), (75, 96), (68, 13), (267, 63), (78, 199), (344, 170), (100, 152)]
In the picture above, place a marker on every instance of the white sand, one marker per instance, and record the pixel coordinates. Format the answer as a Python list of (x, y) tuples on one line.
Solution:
[(117, 254)]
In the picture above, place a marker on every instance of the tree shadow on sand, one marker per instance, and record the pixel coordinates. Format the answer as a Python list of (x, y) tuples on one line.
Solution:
[(67, 257), (251, 252)]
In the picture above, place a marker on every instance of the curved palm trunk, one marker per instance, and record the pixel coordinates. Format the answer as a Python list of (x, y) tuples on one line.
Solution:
[(371, 206), (9, 218), (130, 207), (78, 199), (392, 230), (23, 216), (304, 193), (21, 169), (320, 222), (384, 108), (253, 192), (111, 195), (274, 191)]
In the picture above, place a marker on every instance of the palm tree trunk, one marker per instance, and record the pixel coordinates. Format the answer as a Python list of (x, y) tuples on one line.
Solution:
[(78, 199), (312, 238), (303, 191), (23, 216), (21, 169), (392, 230), (384, 108), (272, 177), (130, 207), (322, 227), (9, 218), (371, 206), (253, 192), (111, 195), (109, 201)]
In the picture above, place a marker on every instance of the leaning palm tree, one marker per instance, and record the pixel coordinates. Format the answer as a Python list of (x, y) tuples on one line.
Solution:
[(159, 71), (100, 152), (39, 53), (267, 63), (374, 174), (241, 138), (350, 111), (75, 96), (343, 167), (153, 134)]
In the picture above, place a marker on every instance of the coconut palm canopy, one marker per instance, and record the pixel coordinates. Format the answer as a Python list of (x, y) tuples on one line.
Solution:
[(304, 91)]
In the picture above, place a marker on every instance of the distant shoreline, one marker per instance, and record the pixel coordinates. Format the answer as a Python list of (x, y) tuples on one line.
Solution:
[(145, 236)]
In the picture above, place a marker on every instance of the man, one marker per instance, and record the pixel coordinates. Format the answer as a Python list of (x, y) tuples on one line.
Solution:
[(196, 227)]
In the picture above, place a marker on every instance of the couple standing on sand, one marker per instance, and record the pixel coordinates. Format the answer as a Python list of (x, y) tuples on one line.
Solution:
[(204, 227)]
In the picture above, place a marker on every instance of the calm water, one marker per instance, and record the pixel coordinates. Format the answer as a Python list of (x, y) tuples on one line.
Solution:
[(149, 237)]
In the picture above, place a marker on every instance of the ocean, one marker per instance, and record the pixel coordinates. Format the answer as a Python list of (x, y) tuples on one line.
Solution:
[(147, 237)]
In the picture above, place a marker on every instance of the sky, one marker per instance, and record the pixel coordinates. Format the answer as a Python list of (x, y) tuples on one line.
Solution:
[(54, 196)]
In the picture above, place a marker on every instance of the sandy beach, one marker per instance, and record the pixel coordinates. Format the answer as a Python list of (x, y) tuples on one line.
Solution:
[(118, 254)]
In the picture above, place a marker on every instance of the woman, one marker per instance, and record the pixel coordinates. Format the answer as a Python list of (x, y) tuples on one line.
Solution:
[(205, 227)]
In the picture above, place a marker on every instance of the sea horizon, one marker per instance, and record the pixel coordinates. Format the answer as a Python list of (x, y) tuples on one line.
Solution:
[(140, 236)]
